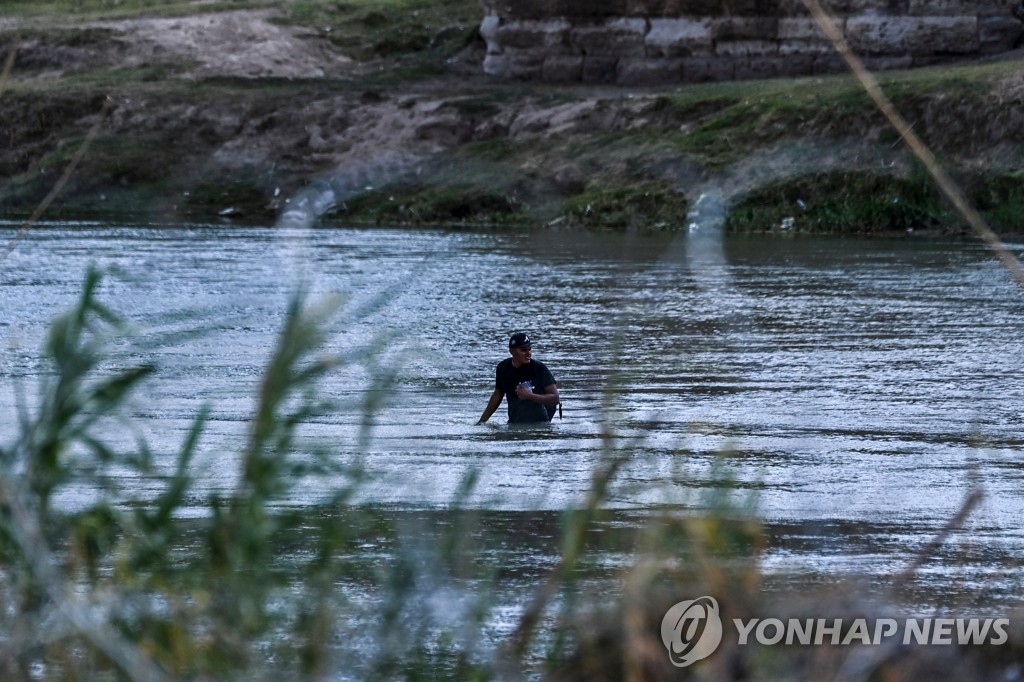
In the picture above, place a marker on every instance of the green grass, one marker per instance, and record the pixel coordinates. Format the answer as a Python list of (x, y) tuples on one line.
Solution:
[(1000, 198), (724, 122), (843, 202), (409, 30), (456, 204), (87, 10), (606, 204)]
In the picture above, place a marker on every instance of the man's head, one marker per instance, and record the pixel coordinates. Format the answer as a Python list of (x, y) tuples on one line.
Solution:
[(520, 346)]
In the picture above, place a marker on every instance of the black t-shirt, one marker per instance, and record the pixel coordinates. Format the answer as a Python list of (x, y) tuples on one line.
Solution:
[(508, 377)]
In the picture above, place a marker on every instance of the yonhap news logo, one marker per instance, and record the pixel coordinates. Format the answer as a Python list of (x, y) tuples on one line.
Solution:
[(693, 630)]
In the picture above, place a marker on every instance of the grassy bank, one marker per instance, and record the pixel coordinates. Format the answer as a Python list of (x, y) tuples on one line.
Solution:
[(805, 155)]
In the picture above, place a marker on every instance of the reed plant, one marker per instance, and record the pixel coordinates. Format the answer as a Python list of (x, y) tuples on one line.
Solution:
[(122, 584), (101, 581)]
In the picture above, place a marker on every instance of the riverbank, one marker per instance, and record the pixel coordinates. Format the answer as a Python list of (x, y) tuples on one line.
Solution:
[(229, 111)]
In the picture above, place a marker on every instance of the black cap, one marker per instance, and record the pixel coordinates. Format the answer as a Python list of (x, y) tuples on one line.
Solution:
[(519, 340)]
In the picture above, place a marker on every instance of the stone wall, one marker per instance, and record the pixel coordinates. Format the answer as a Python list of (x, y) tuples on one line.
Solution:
[(674, 41)]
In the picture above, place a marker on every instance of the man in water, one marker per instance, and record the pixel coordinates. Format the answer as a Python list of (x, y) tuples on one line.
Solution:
[(527, 384)]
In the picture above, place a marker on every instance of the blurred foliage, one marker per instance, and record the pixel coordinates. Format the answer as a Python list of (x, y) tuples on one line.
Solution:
[(102, 580), (124, 585), (132, 587)]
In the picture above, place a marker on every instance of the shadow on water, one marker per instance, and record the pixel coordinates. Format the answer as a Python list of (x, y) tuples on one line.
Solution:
[(540, 432)]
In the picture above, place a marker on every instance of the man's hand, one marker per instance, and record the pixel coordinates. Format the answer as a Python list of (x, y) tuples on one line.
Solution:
[(523, 391)]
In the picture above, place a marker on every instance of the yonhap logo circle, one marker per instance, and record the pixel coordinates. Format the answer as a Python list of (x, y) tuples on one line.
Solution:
[(691, 630)]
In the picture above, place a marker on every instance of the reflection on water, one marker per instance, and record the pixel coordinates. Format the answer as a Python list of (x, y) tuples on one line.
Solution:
[(861, 387)]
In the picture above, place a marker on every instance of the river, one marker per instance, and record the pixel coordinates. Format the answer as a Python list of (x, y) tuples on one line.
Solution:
[(861, 388)]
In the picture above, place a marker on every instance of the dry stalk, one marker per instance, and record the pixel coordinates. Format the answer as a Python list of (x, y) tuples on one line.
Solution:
[(5, 75), (59, 186), (973, 499), (83, 619)]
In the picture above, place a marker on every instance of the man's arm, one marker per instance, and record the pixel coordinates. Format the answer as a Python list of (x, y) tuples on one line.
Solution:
[(492, 405)]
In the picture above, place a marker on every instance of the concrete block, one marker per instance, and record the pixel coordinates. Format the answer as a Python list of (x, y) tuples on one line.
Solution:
[(797, 48), (801, 28), (773, 67), (587, 9), (514, 64), (619, 37), (562, 69), (695, 8), (959, 7), (913, 35), (674, 8), (741, 8), (599, 69), (746, 48), (888, 63), (650, 41), (678, 37), (489, 32), (547, 35), (828, 64), (518, 9), (745, 28), (872, 7), (545, 9), (792, 8), (704, 7), (937, 8), (708, 69), (637, 71), (795, 65), (998, 34)]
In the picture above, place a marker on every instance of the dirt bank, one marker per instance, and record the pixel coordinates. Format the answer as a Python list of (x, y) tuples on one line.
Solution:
[(234, 113)]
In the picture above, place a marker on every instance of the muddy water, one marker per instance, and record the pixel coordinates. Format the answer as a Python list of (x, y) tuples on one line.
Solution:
[(861, 388)]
